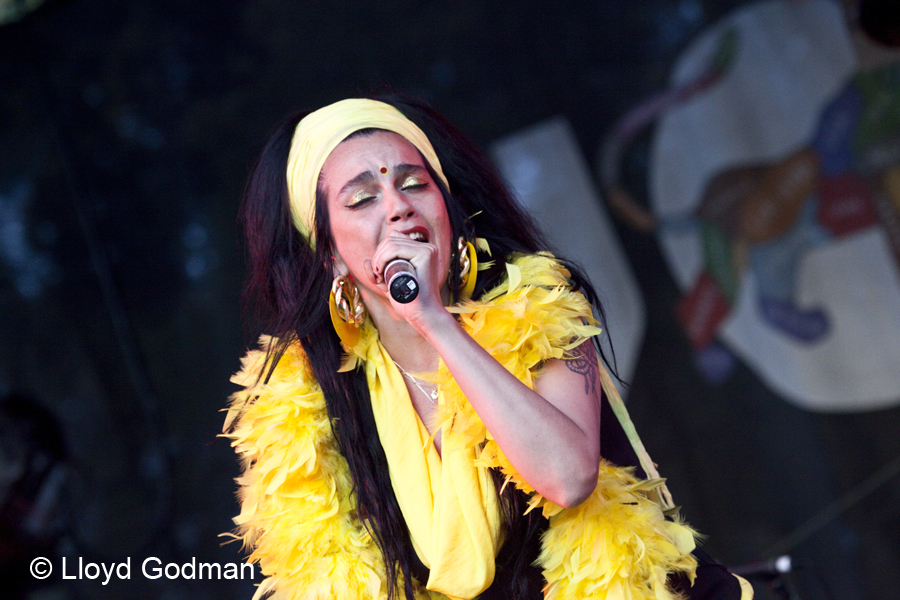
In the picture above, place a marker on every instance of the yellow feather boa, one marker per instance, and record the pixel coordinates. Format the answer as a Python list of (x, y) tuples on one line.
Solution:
[(297, 510)]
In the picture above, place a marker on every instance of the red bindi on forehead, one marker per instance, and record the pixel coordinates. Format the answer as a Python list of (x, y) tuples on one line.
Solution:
[(383, 170)]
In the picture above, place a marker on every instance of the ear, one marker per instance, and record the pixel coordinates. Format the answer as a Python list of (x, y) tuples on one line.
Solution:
[(338, 266)]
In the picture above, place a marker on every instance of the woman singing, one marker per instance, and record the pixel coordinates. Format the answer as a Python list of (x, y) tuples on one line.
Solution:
[(447, 444)]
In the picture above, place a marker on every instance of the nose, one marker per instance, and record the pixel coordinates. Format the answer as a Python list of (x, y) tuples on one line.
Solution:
[(398, 206)]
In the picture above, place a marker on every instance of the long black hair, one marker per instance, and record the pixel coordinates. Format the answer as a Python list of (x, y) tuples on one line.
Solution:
[(287, 291)]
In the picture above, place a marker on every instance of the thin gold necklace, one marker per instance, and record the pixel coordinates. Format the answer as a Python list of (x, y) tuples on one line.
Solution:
[(432, 396)]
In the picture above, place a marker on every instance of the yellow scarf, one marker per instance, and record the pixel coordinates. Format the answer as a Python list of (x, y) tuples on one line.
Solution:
[(449, 504), (298, 513)]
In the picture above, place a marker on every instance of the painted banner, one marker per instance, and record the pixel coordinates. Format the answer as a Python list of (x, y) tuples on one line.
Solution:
[(776, 193)]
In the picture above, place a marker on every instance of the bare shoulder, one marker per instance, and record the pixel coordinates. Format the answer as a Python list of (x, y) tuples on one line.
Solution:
[(573, 384)]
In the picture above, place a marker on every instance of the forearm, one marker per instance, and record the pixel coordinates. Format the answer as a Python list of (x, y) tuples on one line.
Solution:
[(554, 447)]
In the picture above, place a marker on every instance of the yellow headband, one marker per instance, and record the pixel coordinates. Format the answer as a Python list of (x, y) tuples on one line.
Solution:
[(319, 133)]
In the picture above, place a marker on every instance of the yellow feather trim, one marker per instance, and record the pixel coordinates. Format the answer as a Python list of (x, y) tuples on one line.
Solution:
[(617, 539), (298, 513)]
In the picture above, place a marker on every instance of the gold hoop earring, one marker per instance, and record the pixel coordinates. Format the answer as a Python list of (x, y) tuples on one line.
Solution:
[(468, 267), (347, 300), (464, 262), (347, 310)]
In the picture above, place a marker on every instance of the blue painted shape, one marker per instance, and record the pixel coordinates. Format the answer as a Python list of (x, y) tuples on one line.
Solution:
[(836, 131), (805, 325), (774, 263), (715, 362)]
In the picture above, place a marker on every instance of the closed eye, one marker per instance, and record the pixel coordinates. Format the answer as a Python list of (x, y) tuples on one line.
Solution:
[(359, 199), (412, 182)]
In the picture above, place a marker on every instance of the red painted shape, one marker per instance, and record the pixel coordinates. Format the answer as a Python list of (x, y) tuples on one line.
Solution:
[(845, 204), (702, 310)]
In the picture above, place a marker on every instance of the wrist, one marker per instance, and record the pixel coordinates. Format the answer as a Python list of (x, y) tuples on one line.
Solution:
[(437, 326)]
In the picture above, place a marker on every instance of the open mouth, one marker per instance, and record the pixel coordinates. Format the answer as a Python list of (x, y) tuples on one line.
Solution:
[(417, 236)]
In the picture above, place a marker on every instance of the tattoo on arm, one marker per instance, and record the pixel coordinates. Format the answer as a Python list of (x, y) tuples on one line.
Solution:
[(585, 363)]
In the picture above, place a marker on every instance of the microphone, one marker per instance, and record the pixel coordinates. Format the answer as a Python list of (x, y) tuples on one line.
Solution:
[(765, 568), (401, 279)]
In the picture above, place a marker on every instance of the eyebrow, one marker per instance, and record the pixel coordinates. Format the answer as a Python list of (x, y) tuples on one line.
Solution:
[(367, 176), (407, 168), (363, 177)]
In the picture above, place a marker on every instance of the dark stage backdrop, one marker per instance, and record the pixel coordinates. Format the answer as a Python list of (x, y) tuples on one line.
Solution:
[(127, 130)]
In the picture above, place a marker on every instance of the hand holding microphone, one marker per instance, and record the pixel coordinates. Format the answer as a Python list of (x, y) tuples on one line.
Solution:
[(400, 276)]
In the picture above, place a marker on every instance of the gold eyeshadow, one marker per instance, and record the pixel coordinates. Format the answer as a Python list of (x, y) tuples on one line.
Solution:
[(411, 181), (359, 197)]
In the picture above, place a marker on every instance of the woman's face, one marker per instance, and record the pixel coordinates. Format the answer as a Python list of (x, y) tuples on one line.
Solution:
[(376, 185)]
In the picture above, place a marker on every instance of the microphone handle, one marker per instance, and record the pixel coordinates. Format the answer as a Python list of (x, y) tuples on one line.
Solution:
[(401, 279)]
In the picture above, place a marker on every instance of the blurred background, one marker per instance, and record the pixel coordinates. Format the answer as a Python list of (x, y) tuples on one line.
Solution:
[(737, 162)]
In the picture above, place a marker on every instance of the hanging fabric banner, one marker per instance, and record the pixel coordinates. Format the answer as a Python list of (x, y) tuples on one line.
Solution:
[(551, 178), (777, 197)]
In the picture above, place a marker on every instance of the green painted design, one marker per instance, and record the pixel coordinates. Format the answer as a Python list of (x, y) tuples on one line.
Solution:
[(719, 259), (880, 113)]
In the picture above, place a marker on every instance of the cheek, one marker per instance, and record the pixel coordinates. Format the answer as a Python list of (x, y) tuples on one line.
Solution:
[(447, 245), (446, 229), (354, 244)]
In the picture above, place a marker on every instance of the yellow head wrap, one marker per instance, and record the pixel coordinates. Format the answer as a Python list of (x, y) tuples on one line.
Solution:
[(319, 133)]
